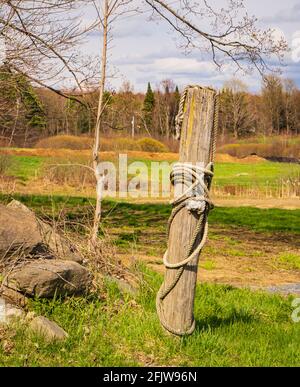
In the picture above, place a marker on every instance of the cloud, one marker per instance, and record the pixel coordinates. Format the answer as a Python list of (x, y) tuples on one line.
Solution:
[(179, 66), (285, 16)]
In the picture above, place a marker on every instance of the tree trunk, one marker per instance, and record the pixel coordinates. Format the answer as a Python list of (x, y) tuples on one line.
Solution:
[(100, 178), (196, 145)]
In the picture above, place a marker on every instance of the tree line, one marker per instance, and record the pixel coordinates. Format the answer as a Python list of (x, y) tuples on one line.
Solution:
[(29, 113)]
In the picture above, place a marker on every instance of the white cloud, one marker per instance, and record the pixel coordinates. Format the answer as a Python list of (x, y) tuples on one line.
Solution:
[(180, 66), (145, 51), (296, 47)]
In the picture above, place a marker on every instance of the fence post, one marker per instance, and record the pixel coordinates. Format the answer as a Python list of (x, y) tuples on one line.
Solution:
[(175, 300)]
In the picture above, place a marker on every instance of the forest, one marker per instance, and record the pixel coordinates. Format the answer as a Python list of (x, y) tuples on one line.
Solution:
[(29, 114)]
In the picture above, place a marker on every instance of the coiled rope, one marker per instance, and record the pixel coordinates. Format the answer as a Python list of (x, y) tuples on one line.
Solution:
[(195, 198)]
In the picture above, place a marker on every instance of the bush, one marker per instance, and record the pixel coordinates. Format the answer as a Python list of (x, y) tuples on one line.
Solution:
[(65, 142), (129, 144), (151, 145), (116, 144)]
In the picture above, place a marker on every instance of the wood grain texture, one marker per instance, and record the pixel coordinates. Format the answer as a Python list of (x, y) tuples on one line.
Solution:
[(196, 137)]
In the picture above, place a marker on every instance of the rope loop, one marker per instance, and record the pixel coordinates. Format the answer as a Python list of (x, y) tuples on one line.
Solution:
[(195, 199)]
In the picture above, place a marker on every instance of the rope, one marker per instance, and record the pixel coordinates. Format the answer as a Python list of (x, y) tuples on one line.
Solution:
[(195, 198)]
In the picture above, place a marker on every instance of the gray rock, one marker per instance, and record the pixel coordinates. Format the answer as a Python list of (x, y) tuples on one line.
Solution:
[(45, 278), (48, 329), (125, 287), (9, 313), (20, 229)]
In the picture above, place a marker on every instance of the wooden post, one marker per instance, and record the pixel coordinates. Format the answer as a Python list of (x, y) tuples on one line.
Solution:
[(196, 146)]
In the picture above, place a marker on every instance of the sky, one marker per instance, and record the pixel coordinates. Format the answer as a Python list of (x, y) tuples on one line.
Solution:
[(145, 51)]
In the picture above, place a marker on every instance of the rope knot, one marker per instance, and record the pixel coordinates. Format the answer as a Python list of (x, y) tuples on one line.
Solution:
[(197, 206)]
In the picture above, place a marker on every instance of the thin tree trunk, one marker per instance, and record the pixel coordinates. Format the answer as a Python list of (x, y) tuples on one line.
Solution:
[(98, 176), (15, 123)]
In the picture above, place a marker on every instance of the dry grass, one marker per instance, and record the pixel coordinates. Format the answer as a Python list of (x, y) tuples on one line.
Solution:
[(101, 258), (106, 144), (113, 155), (277, 146), (65, 142), (86, 154)]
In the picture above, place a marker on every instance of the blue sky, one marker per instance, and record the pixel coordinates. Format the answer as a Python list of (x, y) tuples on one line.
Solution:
[(144, 50)]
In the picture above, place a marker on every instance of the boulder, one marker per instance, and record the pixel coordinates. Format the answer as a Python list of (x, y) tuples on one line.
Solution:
[(46, 278), (48, 329), (124, 286), (21, 230)]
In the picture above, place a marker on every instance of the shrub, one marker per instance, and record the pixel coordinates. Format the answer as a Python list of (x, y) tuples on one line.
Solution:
[(66, 142), (130, 144), (118, 144), (151, 145), (115, 144)]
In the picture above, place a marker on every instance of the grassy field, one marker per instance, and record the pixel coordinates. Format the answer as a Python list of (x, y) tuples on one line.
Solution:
[(234, 327), (247, 246), (259, 179), (122, 213)]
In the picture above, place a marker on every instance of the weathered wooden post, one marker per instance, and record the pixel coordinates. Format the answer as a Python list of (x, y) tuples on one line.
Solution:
[(197, 124)]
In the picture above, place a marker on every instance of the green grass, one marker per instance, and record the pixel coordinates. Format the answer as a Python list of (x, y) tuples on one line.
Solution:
[(290, 261), (255, 219), (124, 214), (208, 265), (234, 327), (25, 167), (253, 175), (261, 175)]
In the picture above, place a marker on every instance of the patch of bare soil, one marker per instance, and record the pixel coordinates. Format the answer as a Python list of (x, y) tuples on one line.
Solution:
[(239, 258), (226, 158), (253, 159), (287, 204)]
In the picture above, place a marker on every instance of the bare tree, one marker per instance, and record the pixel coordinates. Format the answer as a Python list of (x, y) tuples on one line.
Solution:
[(108, 11), (41, 42), (235, 115), (99, 177), (232, 36)]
